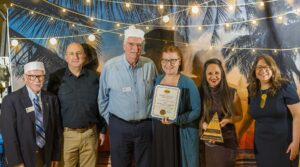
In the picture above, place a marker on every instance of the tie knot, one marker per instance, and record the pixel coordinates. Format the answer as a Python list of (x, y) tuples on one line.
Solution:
[(36, 98)]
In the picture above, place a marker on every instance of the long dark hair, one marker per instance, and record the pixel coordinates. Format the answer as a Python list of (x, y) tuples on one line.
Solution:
[(276, 80), (223, 89)]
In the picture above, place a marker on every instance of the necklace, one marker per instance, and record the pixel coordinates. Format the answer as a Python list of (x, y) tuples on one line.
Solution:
[(263, 99)]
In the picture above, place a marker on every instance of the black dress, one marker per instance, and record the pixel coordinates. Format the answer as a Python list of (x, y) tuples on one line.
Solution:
[(273, 127), (166, 145)]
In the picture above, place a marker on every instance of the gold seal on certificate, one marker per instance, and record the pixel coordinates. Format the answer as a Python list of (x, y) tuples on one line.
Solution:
[(165, 102), (213, 130)]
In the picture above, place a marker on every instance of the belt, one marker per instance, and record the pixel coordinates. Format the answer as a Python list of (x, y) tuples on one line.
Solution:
[(79, 130), (131, 121)]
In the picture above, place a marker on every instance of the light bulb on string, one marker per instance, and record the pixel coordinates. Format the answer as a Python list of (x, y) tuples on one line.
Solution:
[(127, 5), (64, 10), (166, 19), (88, 1), (92, 18), (231, 8), (98, 30), (14, 42), (161, 6), (32, 12), (121, 35), (253, 50), (261, 4), (147, 28), (118, 25), (53, 41), (51, 18), (199, 28), (254, 22), (92, 37), (233, 49), (195, 9), (173, 27)]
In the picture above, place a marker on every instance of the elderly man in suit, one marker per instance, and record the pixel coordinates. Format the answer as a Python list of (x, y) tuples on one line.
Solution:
[(30, 122)]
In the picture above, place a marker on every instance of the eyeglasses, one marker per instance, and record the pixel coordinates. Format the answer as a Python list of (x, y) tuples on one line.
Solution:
[(34, 77), (74, 53), (132, 44), (172, 61), (260, 68)]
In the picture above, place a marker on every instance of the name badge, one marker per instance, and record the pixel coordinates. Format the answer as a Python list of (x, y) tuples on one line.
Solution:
[(29, 109), (126, 89)]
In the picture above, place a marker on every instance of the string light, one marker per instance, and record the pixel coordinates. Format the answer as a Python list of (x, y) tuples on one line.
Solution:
[(118, 25), (195, 9), (199, 28), (262, 4), (173, 28), (147, 28), (231, 8), (177, 5), (161, 6), (88, 1), (208, 25), (51, 18), (127, 5), (53, 41), (73, 25), (14, 42), (166, 19), (32, 12), (92, 37), (92, 18), (64, 10)]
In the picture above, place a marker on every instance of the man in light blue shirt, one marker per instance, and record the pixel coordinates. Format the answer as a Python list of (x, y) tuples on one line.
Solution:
[(124, 101)]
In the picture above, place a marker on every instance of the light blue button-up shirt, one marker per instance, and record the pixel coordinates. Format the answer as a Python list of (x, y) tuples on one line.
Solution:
[(125, 91)]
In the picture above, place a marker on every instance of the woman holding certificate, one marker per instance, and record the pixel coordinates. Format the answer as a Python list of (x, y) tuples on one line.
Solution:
[(275, 107), (221, 109), (176, 142)]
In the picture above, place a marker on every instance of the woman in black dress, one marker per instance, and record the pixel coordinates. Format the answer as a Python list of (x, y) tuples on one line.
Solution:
[(275, 107)]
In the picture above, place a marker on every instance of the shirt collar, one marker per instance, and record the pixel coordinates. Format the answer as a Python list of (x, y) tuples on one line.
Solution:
[(69, 73), (32, 94)]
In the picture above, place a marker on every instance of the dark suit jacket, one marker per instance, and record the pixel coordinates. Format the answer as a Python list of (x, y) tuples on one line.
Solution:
[(18, 128)]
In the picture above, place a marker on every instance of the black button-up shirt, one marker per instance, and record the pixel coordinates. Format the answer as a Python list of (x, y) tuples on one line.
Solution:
[(77, 97)]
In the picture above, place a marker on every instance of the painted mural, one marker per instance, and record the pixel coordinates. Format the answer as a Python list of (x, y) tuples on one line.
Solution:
[(234, 31)]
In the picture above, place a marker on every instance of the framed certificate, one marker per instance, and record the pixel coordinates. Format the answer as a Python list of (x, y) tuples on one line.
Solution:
[(165, 102)]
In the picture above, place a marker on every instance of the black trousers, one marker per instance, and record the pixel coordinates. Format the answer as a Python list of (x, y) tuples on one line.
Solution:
[(130, 142)]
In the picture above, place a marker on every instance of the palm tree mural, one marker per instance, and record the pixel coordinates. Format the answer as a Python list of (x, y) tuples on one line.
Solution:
[(37, 25), (267, 34)]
